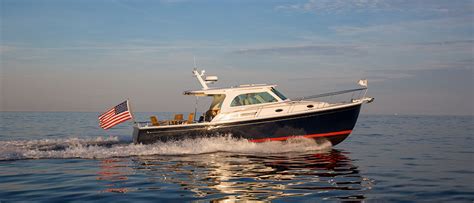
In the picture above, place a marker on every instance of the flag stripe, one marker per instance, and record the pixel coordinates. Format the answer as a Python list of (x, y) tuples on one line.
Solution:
[(107, 113), (117, 122), (109, 118), (114, 116), (105, 124)]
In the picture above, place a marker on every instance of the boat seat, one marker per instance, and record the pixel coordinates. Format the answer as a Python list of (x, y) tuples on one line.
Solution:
[(154, 121), (190, 118), (178, 117)]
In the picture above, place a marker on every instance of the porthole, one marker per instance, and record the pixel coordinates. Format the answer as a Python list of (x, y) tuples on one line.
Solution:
[(310, 106)]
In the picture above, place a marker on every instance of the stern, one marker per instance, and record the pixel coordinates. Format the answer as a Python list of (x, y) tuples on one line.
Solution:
[(136, 131)]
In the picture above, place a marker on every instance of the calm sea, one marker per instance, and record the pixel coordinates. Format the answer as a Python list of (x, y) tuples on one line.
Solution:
[(66, 157)]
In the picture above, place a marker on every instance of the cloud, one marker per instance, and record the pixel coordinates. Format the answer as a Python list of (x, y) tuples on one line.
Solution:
[(173, 1), (140, 51), (333, 5), (338, 6), (5, 48), (469, 42), (444, 25), (123, 45), (307, 50)]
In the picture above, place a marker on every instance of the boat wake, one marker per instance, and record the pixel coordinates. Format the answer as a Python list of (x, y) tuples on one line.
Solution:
[(100, 147)]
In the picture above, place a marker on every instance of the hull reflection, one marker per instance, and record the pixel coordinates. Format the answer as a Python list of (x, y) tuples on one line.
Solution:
[(230, 177)]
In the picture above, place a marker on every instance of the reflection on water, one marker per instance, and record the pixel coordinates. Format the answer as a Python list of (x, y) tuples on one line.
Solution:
[(113, 173), (229, 176)]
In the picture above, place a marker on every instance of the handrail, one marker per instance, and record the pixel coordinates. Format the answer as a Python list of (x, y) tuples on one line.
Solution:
[(328, 94)]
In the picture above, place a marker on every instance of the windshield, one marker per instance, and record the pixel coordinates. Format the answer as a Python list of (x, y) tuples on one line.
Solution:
[(279, 94)]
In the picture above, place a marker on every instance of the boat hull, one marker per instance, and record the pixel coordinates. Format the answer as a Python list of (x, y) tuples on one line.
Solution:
[(333, 125)]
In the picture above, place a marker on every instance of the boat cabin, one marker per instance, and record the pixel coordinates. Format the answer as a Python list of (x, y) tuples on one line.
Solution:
[(236, 99)]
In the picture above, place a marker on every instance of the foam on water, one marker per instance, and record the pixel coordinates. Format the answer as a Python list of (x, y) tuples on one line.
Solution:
[(99, 147)]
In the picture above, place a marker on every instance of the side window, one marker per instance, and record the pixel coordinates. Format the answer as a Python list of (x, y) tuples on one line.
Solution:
[(253, 98), (265, 97)]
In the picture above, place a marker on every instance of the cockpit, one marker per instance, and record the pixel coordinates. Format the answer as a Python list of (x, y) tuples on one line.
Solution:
[(214, 108)]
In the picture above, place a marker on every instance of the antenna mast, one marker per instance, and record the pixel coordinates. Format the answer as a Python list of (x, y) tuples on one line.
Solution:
[(195, 67), (199, 76)]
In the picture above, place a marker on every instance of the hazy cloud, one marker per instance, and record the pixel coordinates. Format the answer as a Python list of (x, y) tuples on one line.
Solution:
[(413, 26), (337, 6), (334, 5), (307, 50), (469, 42), (4, 49)]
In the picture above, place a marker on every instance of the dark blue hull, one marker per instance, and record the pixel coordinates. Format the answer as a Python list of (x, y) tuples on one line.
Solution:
[(334, 125)]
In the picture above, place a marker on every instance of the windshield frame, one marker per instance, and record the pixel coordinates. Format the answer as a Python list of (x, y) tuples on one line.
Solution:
[(279, 94)]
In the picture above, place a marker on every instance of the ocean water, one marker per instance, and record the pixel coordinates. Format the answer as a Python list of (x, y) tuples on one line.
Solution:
[(65, 157)]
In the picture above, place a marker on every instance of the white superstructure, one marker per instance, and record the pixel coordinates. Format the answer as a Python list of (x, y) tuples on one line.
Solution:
[(254, 101)]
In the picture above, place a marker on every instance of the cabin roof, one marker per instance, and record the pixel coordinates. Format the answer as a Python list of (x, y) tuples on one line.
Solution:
[(240, 88)]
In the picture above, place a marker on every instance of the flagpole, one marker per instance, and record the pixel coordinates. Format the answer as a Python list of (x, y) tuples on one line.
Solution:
[(131, 112)]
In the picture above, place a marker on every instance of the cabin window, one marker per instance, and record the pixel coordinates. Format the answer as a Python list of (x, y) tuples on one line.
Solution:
[(253, 98), (279, 94)]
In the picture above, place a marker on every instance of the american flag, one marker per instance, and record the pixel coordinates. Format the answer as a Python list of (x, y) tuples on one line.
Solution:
[(114, 116)]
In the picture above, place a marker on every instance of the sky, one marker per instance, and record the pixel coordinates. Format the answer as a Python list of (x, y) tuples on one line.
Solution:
[(89, 55)]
